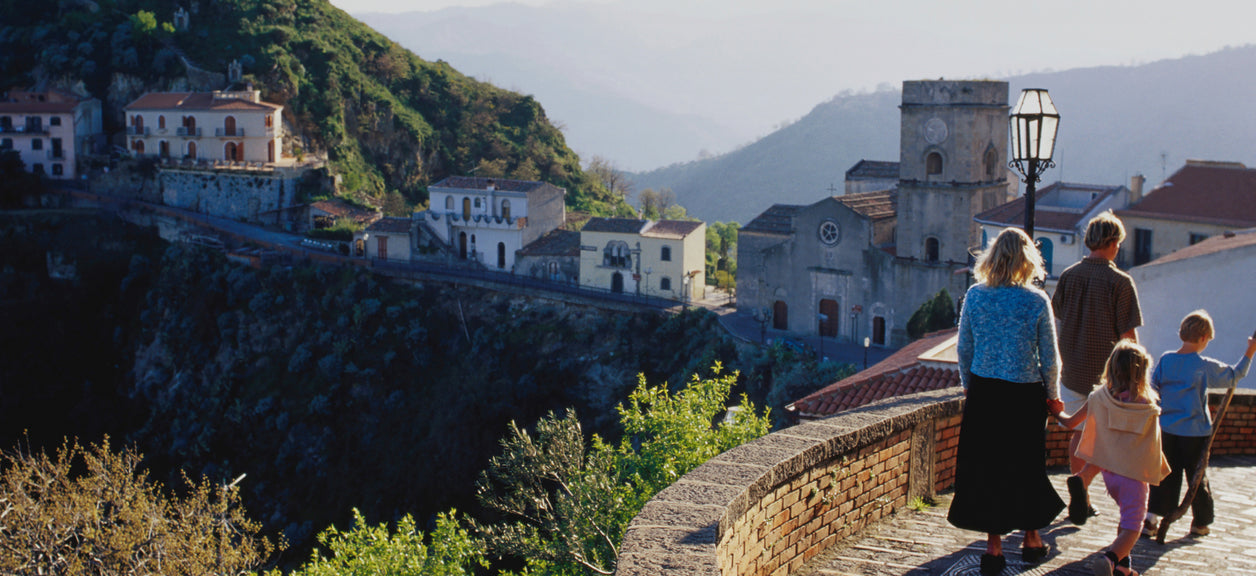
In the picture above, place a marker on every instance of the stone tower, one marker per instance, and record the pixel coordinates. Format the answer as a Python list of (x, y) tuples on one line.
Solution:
[(952, 155)]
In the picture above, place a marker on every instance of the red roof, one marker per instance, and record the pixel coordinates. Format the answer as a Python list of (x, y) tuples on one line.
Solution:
[(901, 374), (1221, 193), (874, 205), (194, 101), (671, 229)]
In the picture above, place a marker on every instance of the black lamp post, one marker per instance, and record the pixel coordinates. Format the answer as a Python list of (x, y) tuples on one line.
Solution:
[(1034, 122), (822, 318)]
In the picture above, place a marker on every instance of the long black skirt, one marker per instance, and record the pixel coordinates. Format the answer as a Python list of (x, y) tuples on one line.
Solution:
[(1001, 480)]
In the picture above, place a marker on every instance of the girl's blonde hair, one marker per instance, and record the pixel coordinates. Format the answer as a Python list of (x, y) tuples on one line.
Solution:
[(1129, 369), (1011, 260)]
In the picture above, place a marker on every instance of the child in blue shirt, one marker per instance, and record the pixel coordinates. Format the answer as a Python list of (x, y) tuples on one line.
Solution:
[(1182, 379)]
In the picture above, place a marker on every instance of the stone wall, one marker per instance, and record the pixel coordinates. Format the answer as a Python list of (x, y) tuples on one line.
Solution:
[(248, 196), (767, 507)]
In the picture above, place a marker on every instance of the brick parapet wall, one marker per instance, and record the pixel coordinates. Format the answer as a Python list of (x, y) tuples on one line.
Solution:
[(765, 508), (768, 506)]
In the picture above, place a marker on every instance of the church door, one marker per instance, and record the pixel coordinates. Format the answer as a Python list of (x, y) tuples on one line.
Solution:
[(462, 245), (780, 315), (617, 283), (878, 330), (832, 313)]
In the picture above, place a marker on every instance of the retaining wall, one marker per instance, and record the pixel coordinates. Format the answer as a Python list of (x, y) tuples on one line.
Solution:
[(767, 507)]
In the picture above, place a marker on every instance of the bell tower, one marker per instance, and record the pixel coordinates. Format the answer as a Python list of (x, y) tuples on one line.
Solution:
[(952, 165)]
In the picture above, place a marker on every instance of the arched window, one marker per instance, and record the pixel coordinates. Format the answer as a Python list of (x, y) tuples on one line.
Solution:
[(139, 146), (449, 203), (229, 126), (933, 163), (666, 254), (138, 122), (665, 283), (992, 163), (466, 208), (617, 255), (270, 121), (1047, 249), (190, 123), (931, 249), (506, 209), (161, 122)]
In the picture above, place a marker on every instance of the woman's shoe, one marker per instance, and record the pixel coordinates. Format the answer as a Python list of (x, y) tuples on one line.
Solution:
[(991, 564), (1034, 554)]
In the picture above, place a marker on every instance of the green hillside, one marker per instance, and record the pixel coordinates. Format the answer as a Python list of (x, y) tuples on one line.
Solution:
[(388, 120)]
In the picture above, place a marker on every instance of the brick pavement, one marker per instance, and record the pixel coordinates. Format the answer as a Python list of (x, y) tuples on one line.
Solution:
[(920, 542)]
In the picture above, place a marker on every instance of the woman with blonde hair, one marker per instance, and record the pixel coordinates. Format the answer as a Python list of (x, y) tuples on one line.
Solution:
[(1010, 369)]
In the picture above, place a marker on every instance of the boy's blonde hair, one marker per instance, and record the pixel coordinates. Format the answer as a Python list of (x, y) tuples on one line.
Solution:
[(1129, 369), (1103, 230), (1011, 260), (1196, 325)]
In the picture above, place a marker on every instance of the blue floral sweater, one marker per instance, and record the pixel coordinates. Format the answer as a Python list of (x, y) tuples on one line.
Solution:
[(1008, 332)]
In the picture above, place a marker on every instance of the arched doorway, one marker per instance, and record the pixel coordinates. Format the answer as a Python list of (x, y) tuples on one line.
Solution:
[(462, 245), (192, 150), (466, 208), (163, 148), (501, 254), (617, 283), (832, 313), (229, 151), (270, 151), (780, 315), (228, 125), (139, 147)]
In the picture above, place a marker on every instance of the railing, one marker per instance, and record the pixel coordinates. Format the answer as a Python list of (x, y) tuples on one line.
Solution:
[(133, 131), (224, 133), (56, 154), (24, 129), (185, 131)]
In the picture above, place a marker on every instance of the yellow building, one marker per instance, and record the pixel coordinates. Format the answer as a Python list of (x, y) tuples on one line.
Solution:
[(665, 258)]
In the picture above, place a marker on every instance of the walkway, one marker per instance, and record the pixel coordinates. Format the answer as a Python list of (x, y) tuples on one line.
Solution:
[(922, 542)]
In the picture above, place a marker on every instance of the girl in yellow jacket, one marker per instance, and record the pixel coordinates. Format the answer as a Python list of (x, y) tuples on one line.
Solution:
[(1121, 439)]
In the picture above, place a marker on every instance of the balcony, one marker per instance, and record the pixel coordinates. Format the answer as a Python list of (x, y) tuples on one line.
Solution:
[(188, 132), (133, 131), (56, 154), (833, 496), (224, 133), (40, 130)]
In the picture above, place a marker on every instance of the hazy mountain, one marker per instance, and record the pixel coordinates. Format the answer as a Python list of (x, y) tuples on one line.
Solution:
[(1115, 121)]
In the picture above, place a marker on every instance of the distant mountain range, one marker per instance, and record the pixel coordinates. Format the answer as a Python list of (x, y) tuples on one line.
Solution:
[(1116, 121)]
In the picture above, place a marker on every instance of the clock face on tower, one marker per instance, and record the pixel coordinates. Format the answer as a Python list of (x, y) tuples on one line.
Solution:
[(935, 131), (830, 233)]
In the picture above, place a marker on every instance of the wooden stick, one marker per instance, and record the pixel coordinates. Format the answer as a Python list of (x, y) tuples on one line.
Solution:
[(1198, 477)]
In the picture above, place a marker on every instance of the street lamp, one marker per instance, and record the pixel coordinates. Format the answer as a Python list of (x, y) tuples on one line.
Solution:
[(1034, 122), (823, 318), (867, 342)]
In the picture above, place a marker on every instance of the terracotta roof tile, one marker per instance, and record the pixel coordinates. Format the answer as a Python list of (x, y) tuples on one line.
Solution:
[(902, 373), (1222, 193), (779, 219), (615, 225), (554, 243), (390, 225), (873, 170), (189, 101), (477, 183), (671, 229), (877, 205)]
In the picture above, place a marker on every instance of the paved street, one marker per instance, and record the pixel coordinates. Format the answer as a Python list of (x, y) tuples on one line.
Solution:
[(922, 542)]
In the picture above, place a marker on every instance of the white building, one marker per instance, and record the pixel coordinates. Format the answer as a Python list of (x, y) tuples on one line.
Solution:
[(1216, 274), (1061, 213), (385, 239), (229, 126), (488, 220), (666, 258), (49, 130)]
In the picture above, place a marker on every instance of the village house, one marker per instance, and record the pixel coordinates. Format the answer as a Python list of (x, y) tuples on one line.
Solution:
[(330, 213), (1061, 213), (50, 130), (232, 126), (386, 239), (487, 220), (666, 258), (1200, 200)]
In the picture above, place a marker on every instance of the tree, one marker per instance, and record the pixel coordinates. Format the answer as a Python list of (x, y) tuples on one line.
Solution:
[(938, 313), (367, 550), (93, 511), (654, 204), (565, 506), (615, 180)]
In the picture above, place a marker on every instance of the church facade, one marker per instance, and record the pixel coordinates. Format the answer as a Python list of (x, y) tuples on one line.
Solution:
[(855, 266)]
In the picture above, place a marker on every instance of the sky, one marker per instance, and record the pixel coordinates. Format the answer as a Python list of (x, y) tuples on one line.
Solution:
[(747, 67)]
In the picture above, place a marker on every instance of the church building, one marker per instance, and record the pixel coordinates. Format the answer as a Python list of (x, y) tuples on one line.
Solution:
[(855, 266)]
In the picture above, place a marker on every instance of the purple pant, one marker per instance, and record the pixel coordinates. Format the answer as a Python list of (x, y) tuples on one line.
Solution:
[(1130, 496)]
